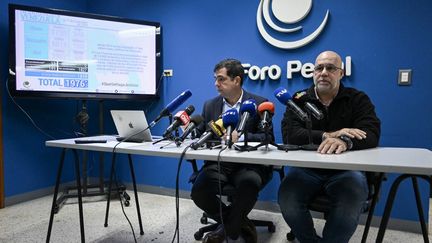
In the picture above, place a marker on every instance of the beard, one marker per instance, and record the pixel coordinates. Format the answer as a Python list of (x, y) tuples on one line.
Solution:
[(324, 87)]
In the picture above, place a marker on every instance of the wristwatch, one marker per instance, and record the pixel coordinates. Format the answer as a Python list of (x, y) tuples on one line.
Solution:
[(347, 140)]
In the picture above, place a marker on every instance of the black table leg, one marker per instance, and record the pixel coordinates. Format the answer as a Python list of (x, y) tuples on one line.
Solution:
[(390, 200), (78, 181), (420, 210), (109, 189), (372, 208), (136, 193), (62, 156)]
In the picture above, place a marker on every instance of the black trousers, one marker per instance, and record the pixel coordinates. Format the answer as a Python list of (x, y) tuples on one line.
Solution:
[(247, 180)]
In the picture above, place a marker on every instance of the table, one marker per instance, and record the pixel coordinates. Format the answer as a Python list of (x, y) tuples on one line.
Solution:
[(410, 162)]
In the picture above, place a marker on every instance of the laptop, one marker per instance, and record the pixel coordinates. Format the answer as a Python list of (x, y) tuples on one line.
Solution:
[(130, 125)]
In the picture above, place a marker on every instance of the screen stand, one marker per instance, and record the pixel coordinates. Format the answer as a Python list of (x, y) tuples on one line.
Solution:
[(90, 190)]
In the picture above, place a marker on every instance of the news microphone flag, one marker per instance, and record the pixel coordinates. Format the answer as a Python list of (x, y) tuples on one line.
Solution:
[(230, 119), (285, 98), (248, 110), (181, 118), (172, 106)]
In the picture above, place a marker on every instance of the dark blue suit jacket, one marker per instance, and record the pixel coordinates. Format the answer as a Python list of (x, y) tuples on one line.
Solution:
[(212, 110)]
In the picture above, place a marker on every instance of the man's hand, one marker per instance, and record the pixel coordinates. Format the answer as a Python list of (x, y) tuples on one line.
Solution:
[(234, 136), (332, 145), (349, 132)]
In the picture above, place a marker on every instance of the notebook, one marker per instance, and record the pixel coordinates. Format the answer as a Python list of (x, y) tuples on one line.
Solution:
[(130, 125)]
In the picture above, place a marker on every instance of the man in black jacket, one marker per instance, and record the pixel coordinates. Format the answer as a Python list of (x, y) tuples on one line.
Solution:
[(349, 123), (248, 179)]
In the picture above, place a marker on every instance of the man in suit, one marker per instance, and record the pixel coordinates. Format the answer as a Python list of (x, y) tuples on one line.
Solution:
[(248, 179)]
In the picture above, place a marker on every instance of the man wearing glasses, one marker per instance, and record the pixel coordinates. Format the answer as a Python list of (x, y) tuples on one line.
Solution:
[(349, 123)]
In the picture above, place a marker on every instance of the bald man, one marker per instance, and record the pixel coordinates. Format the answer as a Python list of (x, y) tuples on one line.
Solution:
[(349, 123)]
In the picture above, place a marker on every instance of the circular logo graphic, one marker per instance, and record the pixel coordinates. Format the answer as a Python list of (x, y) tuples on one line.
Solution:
[(26, 84), (287, 12)]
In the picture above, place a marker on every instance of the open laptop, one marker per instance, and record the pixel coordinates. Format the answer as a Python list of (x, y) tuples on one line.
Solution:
[(131, 125)]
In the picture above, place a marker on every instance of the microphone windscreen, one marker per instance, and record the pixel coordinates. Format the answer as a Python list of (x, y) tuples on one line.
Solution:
[(197, 119), (248, 106), (219, 123), (217, 127), (266, 106), (175, 103), (282, 95), (190, 109), (230, 118)]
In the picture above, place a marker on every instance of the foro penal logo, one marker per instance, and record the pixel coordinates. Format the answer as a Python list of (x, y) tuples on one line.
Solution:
[(287, 12)]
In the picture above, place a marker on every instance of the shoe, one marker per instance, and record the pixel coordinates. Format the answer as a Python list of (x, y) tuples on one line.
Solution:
[(248, 232), (215, 236)]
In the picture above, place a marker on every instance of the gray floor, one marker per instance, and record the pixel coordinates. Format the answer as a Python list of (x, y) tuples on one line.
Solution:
[(28, 222)]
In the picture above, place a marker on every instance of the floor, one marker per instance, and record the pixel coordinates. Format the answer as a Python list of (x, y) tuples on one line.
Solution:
[(28, 222)]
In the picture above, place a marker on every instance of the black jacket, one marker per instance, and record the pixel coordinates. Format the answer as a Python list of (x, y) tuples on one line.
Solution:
[(350, 109)]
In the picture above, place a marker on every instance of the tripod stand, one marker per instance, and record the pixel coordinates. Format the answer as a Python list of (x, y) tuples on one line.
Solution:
[(88, 189), (245, 147), (311, 146), (169, 136), (268, 140)]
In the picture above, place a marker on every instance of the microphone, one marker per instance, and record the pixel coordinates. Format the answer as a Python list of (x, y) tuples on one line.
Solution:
[(266, 111), (230, 120), (215, 128), (247, 109), (195, 120), (181, 118), (285, 98), (173, 105), (314, 110)]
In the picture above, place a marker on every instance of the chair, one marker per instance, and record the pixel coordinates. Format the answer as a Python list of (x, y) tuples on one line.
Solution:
[(229, 191), (322, 203)]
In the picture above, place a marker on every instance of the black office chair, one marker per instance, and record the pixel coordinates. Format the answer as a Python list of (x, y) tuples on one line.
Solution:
[(229, 191), (321, 203)]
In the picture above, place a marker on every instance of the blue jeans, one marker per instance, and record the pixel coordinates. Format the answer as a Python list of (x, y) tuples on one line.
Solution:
[(347, 191)]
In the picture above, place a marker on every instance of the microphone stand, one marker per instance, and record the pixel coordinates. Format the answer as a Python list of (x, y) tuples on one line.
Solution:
[(170, 137), (245, 147), (267, 140), (311, 146)]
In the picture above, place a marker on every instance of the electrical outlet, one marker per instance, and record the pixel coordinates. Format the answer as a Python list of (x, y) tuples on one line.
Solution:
[(168, 72), (404, 77)]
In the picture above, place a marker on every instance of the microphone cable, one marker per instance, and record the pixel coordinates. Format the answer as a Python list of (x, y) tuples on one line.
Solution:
[(177, 197), (115, 177), (122, 207), (220, 189), (25, 113)]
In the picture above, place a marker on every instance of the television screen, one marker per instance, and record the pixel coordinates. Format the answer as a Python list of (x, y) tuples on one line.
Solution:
[(57, 53)]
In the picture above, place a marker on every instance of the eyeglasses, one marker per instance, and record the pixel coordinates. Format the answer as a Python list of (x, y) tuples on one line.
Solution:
[(329, 67), (221, 79)]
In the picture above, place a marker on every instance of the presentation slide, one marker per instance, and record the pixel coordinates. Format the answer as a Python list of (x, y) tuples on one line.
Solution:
[(76, 54)]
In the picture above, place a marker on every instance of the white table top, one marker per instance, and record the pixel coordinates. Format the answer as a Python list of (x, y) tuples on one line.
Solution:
[(382, 159)]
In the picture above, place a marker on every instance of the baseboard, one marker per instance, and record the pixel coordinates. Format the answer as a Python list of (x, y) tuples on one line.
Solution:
[(394, 224), (24, 197)]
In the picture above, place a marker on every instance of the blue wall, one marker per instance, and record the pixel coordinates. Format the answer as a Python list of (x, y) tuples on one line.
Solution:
[(380, 37)]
